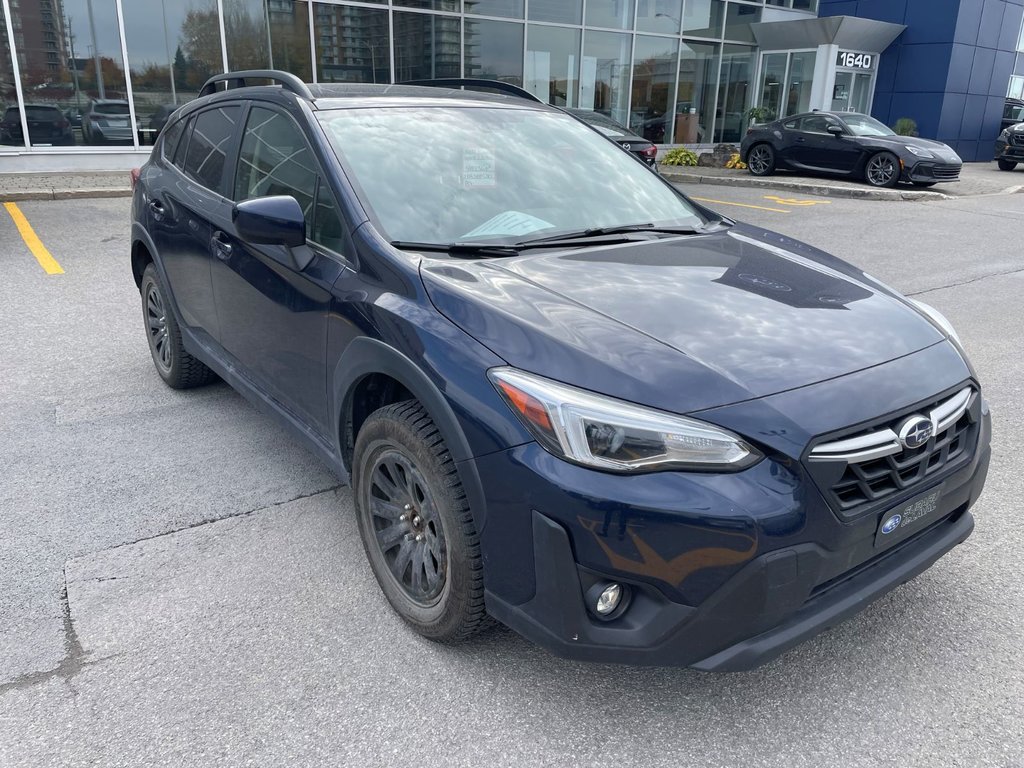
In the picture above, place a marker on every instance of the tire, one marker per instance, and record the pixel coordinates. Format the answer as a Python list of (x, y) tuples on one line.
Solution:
[(176, 367), (1006, 165), (761, 160), (882, 170), (416, 525)]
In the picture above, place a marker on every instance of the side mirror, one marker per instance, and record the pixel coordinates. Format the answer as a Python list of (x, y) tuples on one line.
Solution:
[(835, 130), (274, 220)]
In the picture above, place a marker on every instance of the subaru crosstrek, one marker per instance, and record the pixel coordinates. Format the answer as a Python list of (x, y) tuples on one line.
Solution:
[(565, 396)]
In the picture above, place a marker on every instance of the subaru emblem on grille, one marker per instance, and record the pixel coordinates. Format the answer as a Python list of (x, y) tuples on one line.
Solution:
[(891, 524), (916, 431)]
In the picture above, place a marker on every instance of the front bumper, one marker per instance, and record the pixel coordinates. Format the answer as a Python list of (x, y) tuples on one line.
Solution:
[(932, 172), (725, 572), (1010, 152)]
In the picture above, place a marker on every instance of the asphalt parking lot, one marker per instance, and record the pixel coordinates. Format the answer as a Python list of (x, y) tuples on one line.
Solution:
[(181, 584)]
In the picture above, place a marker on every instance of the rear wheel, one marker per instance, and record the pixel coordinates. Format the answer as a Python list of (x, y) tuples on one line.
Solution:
[(761, 160), (1006, 165), (176, 367), (882, 170), (416, 525)]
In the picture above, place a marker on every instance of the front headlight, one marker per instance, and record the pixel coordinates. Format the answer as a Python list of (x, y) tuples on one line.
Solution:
[(1004, 136), (938, 318), (921, 152), (614, 435)]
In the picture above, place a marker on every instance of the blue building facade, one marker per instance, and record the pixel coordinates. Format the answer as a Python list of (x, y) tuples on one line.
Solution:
[(949, 70)]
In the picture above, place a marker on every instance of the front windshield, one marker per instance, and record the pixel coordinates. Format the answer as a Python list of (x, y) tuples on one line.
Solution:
[(490, 174), (862, 125)]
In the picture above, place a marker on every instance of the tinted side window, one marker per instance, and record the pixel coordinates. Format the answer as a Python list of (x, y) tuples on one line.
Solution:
[(817, 124), (182, 148), (170, 138), (791, 125), (327, 224), (275, 160), (208, 146)]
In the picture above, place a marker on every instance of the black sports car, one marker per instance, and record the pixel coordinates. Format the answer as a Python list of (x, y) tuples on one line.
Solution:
[(640, 147), (848, 144)]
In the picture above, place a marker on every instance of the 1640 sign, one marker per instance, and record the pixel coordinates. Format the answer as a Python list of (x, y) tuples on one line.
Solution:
[(852, 60)]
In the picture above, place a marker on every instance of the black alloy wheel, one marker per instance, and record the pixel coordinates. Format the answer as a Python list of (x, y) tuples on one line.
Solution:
[(882, 170), (415, 523), (761, 160)]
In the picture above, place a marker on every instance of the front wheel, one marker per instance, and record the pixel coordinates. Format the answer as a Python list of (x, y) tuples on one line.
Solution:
[(1006, 165), (761, 160), (416, 525), (882, 170)]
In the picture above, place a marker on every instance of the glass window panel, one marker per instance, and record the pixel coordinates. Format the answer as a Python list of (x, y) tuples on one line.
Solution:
[(436, 5), (352, 44), (564, 11), (170, 138), (773, 73), (289, 37), (806, 5), (552, 63), (801, 76), (738, 19), (735, 91), (275, 159), (245, 32), (862, 92), (426, 46), (703, 18), (659, 16), (327, 229), (209, 144), (511, 8), (604, 76), (494, 50), (616, 14), (182, 149), (70, 58), (171, 53), (654, 82), (695, 96), (11, 133)]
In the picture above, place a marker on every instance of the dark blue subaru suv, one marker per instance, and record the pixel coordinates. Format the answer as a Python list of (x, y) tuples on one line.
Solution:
[(565, 396)]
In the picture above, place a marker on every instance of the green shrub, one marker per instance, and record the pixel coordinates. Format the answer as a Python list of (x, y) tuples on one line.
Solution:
[(679, 156), (759, 115), (905, 127)]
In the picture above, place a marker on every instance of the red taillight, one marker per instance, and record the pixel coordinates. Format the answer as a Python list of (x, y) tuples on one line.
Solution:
[(134, 177), (651, 151)]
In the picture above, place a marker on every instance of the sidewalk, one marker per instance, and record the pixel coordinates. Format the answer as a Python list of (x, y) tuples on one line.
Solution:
[(976, 179)]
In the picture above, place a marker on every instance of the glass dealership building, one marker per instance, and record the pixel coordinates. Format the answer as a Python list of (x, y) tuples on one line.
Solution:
[(675, 71)]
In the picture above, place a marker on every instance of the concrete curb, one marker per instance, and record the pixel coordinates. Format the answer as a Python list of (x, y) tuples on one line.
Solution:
[(806, 187), (61, 194)]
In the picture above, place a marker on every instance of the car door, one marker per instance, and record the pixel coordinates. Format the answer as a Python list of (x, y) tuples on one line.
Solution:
[(821, 150), (272, 305), (187, 206)]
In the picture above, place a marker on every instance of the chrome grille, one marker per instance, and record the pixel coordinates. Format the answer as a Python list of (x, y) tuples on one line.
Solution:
[(1017, 139), (946, 172), (875, 464)]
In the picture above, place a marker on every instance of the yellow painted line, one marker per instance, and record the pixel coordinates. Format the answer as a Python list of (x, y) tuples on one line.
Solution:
[(741, 205), (793, 201), (46, 261)]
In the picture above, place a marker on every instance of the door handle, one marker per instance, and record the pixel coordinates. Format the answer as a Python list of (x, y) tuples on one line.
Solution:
[(157, 209), (220, 247), (800, 139)]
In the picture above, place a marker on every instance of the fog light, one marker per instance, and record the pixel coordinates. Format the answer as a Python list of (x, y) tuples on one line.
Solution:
[(608, 600)]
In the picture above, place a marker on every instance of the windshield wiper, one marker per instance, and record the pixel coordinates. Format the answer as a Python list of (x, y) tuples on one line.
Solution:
[(461, 250), (603, 231)]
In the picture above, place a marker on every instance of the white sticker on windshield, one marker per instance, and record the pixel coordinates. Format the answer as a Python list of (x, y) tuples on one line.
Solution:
[(509, 223), (478, 167)]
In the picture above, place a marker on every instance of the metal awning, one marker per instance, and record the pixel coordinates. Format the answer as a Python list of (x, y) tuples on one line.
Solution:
[(849, 32)]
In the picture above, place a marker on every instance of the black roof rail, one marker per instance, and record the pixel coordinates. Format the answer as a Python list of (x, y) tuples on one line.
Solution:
[(287, 80), (475, 82)]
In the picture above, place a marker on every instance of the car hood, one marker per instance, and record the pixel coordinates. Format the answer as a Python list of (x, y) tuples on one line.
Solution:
[(942, 151), (682, 324)]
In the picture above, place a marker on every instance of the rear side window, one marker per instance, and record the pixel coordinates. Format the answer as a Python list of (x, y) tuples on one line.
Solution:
[(208, 146), (275, 160), (170, 138)]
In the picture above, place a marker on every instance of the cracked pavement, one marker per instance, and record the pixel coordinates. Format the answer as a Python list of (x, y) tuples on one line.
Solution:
[(182, 584)]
